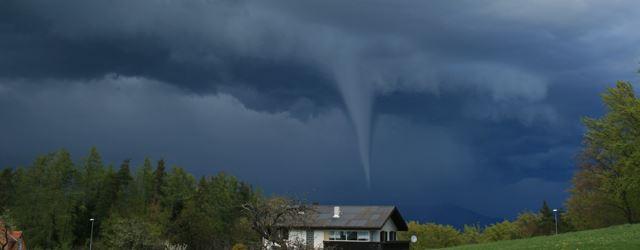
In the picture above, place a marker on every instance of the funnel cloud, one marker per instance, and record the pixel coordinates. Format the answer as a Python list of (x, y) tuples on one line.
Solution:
[(358, 98)]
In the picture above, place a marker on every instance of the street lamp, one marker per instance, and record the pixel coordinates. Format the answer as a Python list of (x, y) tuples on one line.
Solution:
[(91, 239), (555, 213)]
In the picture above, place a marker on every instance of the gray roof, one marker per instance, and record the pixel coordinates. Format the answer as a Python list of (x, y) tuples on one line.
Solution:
[(352, 217)]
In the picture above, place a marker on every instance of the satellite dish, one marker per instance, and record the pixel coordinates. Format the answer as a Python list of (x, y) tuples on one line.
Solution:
[(414, 239)]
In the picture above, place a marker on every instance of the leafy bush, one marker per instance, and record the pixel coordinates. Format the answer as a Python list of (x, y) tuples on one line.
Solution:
[(131, 233), (528, 224), (505, 230), (471, 234), (433, 235)]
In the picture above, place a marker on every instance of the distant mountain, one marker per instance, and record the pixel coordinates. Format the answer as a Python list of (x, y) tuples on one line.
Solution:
[(450, 215)]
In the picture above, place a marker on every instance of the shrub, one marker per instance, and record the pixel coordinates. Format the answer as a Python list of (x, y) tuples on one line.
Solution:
[(131, 233), (471, 234), (505, 230), (433, 235), (528, 224)]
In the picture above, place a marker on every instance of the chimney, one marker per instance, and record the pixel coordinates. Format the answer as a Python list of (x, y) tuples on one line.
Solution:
[(336, 212)]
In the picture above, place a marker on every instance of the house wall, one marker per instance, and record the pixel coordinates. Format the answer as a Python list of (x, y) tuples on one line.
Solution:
[(319, 236), (388, 227)]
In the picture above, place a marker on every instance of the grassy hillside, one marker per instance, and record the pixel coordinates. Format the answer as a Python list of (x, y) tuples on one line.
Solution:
[(617, 237)]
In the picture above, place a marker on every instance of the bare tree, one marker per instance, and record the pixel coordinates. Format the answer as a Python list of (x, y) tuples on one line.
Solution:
[(273, 218)]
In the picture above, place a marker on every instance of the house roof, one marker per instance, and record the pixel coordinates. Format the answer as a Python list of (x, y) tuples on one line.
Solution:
[(352, 217)]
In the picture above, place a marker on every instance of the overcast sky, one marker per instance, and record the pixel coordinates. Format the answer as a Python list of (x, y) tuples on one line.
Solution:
[(474, 104)]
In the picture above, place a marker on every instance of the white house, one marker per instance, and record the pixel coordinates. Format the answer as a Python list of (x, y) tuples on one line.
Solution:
[(350, 227)]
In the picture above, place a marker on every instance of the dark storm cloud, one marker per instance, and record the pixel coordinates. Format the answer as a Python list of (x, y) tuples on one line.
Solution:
[(283, 48), (472, 95), (289, 49), (200, 43)]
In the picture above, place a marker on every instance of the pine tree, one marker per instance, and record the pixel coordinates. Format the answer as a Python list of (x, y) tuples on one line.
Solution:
[(90, 177), (159, 182), (547, 221), (179, 188), (7, 188), (147, 175), (124, 175), (120, 185), (91, 173)]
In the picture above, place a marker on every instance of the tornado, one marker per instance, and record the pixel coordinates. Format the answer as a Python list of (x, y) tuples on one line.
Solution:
[(358, 96)]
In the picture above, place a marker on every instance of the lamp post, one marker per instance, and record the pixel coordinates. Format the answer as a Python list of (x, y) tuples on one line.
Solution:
[(555, 213), (91, 239)]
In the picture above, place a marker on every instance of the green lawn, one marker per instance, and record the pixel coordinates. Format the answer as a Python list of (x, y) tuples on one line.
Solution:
[(617, 237)]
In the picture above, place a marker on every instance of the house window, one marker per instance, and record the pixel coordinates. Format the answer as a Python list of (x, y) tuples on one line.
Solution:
[(352, 235), (349, 235), (392, 236), (337, 235), (363, 236), (383, 236)]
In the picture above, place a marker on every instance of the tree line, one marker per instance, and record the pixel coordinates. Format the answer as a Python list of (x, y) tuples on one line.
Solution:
[(149, 207), (527, 224)]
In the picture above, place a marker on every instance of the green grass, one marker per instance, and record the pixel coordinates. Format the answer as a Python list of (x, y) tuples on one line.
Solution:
[(617, 237)]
